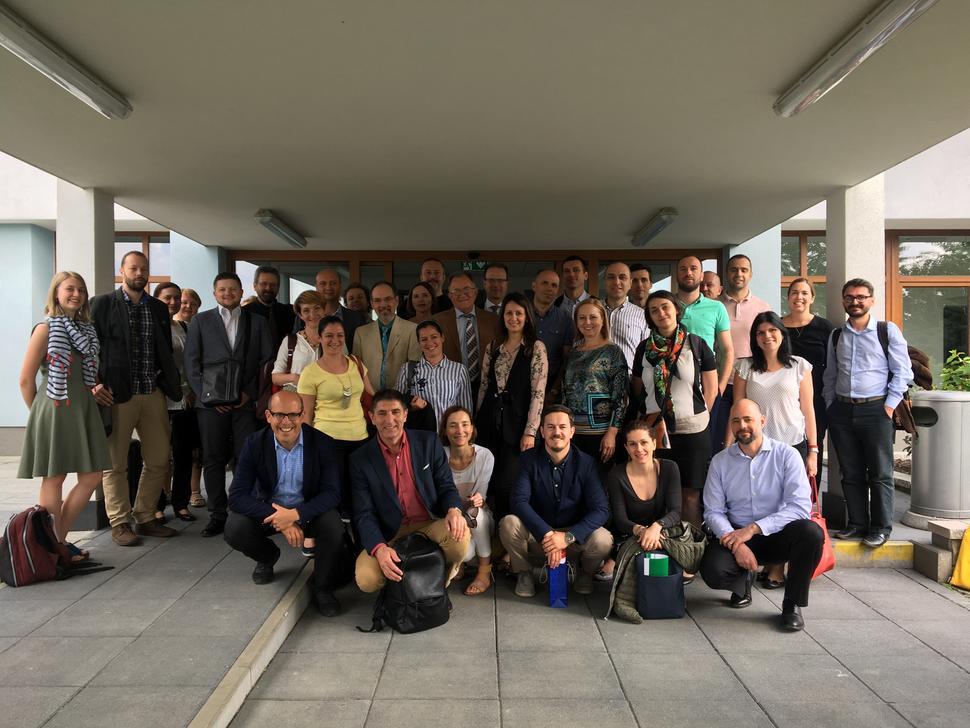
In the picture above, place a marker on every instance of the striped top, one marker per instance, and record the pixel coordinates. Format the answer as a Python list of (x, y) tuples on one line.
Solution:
[(442, 385), (628, 327)]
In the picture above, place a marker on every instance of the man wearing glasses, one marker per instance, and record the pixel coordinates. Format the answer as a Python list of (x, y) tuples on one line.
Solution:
[(867, 374), (496, 286), (286, 482)]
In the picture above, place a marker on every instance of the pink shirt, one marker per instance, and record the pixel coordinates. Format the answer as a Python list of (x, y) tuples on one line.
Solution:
[(741, 314), (402, 475)]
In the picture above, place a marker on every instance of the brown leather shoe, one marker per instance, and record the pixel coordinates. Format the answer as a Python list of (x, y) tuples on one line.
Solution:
[(124, 536), (154, 528)]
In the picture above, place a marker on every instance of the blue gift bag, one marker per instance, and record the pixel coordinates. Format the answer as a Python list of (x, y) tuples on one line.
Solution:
[(558, 584)]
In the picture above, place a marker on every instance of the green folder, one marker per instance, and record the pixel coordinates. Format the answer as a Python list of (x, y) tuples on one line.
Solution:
[(656, 565)]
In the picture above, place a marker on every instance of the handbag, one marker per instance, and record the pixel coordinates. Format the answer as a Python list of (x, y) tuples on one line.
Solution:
[(827, 562), (365, 399), (222, 380), (659, 597)]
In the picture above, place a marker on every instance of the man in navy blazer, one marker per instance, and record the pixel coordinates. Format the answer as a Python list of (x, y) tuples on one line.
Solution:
[(286, 481), (558, 504), (401, 484)]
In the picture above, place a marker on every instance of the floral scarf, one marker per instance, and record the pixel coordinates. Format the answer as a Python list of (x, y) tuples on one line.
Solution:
[(662, 353), (65, 336)]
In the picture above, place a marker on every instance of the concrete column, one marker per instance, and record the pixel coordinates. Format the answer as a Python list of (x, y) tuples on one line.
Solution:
[(86, 235), (855, 247), (765, 253), (195, 266)]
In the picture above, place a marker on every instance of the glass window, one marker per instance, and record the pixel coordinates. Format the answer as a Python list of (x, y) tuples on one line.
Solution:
[(371, 273), (935, 320), (936, 256), (159, 255), (816, 255), (790, 256), (125, 244)]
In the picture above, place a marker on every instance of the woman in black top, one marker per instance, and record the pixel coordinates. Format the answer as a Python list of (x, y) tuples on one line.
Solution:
[(644, 492), (809, 337)]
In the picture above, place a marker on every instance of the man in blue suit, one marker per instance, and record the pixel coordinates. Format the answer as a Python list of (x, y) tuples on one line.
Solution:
[(558, 504), (286, 481), (401, 484)]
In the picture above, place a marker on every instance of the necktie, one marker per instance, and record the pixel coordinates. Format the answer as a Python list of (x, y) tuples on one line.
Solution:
[(472, 355)]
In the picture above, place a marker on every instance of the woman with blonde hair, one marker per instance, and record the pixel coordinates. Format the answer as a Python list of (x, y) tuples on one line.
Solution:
[(65, 433)]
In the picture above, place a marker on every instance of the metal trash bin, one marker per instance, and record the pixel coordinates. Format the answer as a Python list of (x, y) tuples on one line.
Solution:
[(941, 457)]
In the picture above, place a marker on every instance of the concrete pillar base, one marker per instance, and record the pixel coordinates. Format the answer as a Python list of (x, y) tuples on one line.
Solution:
[(917, 520)]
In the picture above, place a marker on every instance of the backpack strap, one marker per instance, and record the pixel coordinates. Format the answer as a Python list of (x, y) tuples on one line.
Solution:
[(377, 620), (290, 348)]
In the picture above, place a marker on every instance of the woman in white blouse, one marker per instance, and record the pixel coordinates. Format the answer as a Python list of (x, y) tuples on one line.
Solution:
[(781, 384), (471, 468), (298, 350)]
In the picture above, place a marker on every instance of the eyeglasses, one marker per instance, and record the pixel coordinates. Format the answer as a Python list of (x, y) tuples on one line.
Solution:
[(496, 280), (466, 291), (291, 416), (855, 299)]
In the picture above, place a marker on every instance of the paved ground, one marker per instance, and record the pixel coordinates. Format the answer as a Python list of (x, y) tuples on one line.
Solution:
[(882, 647)]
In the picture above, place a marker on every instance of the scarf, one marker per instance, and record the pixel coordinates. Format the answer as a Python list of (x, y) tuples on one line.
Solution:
[(67, 334), (662, 353)]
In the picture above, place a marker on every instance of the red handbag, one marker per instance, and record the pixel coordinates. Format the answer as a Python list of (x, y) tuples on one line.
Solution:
[(827, 562)]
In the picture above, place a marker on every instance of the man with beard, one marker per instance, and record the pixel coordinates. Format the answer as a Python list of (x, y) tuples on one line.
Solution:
[(279, 316), (387, 344), (705, 317), (757, 502), (558, 504), (136, 372), (867, 375)]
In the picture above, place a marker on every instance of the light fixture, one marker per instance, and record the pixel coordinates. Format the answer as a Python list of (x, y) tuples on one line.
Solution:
[(849, 53), (18, 37), (655, 225), (269, 220)]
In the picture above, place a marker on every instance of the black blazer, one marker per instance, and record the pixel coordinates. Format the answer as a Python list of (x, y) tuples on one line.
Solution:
[(583, 506), (377, 510), (207, 345), (110, 315), (255, 476)]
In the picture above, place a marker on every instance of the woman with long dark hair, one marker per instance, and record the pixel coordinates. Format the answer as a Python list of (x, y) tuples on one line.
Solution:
[(514, 372), (781, 385), (422, 303)]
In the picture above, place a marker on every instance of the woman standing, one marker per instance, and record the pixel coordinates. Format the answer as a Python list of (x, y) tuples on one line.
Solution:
[(189, 306), (809, 337), (779, 383), (471, 468), (181, 414), (422, 303), (677, 376), (301, 349), (331, 389), (514, 371), (65, 433), (595, 381)]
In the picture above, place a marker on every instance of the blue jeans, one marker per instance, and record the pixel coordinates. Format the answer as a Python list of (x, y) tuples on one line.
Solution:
[(862, 435)]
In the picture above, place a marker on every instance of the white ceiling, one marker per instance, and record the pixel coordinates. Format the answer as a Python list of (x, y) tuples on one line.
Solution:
[(460, 124)]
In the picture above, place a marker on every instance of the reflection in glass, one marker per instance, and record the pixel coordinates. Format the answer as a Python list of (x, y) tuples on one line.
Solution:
[(160, 256), (945, 255), (790, 258), (935, 320), (816, 255)]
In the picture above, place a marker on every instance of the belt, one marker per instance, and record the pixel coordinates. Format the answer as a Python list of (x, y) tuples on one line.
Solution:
[(859, 400)]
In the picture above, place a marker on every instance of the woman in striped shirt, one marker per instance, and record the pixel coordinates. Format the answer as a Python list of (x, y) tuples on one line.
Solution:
[(434, 380)]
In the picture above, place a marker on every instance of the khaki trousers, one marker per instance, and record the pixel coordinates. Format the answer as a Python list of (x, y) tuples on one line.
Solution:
[(525, 552), (146, 413), (368, 572)]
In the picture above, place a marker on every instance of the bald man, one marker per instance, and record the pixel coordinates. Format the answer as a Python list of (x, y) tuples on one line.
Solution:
[(711, 285), (757, 502), (286, 482)]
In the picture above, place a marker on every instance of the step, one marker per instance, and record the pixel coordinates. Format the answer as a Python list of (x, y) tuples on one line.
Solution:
[(853, 555)]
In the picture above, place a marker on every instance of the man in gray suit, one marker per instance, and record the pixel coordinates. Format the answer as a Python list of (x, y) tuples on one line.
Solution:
[(226, 332)]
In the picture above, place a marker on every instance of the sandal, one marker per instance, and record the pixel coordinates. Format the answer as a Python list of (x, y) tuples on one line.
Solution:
[(197, 501), (481, 583), (78, 555)]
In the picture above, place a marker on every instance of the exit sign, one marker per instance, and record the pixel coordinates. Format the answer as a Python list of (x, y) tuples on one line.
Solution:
[(473, 265)]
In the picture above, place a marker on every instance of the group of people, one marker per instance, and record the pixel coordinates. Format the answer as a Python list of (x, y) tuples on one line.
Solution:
[(509, 428)]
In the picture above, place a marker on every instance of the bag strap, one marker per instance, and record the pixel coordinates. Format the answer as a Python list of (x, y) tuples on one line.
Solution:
[(412, 373), (816, 510), (290, 348), (360, 366), (377, 620)]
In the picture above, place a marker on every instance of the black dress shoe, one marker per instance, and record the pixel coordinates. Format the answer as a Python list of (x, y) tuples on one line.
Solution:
[(875, 540), (792, 621), (327, 603), (263, 572), (744, 600), (850, 532), (186, 516), (213, 528)]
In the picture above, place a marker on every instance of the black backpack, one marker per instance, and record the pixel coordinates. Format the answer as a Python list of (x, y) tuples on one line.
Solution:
[(419, 601)]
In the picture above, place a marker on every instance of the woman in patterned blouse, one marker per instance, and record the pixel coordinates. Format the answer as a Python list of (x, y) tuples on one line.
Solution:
[(514, 372)]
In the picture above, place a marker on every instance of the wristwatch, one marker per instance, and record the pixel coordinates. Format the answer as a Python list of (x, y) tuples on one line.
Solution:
[(570, 539)]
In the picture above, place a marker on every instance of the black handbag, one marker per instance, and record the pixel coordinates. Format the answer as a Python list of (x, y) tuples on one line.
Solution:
[(222, 380), (660, 597)]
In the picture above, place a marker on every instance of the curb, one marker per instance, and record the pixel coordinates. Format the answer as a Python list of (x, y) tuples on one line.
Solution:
[(894, 555), (226, 700)]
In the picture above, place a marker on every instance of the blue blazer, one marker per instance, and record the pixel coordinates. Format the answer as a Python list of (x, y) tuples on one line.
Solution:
[(377, 510), (255, 476), (583, 506)]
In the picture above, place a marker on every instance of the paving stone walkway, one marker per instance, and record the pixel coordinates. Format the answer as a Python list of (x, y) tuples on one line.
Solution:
[(881, 648)]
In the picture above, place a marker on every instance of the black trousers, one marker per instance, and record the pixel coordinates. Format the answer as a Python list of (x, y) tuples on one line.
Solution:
[(799, 543), (345, 448), (223, 436), (185, 440), (331, 560)]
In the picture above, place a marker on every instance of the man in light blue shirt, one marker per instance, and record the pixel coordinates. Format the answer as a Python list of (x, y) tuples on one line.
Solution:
[(864, 381), (757, 503)]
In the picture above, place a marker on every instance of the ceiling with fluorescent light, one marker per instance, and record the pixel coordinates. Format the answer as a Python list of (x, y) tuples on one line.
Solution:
[(454, 124)]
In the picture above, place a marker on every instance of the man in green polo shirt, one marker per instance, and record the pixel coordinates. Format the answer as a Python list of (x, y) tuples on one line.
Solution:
[(705, 317)]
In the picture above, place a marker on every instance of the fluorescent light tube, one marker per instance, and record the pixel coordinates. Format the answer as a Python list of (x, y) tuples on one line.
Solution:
[(18, 37), (848, 54), (269, 220), (655, 225)]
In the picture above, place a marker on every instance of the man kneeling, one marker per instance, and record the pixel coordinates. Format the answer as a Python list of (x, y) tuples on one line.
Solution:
[(558, 503), (286, 481), (761, 483), (401, 484)]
